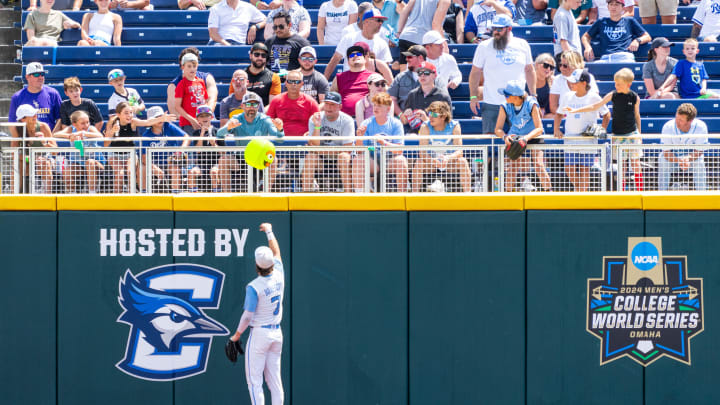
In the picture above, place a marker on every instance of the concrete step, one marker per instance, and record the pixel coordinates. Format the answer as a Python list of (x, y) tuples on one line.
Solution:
[(8, 35), (8, 70), (4, 106), (8, 53), (8, 17), (9, 87)]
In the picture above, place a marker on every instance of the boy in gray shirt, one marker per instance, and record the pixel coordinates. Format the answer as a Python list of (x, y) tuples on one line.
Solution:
[(566, 35)]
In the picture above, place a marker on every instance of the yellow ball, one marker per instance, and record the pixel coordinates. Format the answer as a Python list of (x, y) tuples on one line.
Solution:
[(260, 153)]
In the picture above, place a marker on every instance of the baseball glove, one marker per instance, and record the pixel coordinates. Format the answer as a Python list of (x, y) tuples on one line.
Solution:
[(516, 148), (596, 131), (232, 349)]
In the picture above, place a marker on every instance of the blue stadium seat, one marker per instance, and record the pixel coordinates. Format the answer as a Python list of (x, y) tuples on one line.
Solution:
[(90, 5), (605, 71), (684, 15), (544, 33)]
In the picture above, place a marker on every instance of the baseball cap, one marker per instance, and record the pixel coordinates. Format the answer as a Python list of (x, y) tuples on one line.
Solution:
[(259, 46), (189, 57), (433, 37), (426, 66), (333, 97), (361, 47), (264, 257), (203, 109), (416, 50), (373, 13), (155, 111), (34, 67), (375, 77), (501, 21), (25, 110), (251, 96), (622, 3), (579, 75), (308, 49), (661, 42), (513, 88), (115, 73)]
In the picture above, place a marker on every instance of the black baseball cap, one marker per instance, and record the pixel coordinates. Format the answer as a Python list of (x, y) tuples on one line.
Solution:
[(259, 46), (661, 42), (333, 97), (416, 50), (361, 47)]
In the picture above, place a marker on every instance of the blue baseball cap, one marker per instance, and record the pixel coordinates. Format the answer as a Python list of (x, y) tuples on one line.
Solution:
[(203, 109), (373, 13), (513, 88), (501, 21)]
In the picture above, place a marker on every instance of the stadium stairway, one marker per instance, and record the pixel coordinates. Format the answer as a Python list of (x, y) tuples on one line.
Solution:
[(8, 52)]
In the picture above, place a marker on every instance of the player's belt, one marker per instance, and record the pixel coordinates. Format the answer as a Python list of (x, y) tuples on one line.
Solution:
[(271, 326)]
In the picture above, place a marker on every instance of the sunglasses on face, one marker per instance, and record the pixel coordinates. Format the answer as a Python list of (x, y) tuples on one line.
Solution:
[(355, 54), (548, 66), (294, 81), (424, 73), (307, 59), (239, 79), (381, 83), (279, 27), (38, 74), (252, 104), (433, 114), (493, 29), (260, 55), (115, 75), (564, 65)]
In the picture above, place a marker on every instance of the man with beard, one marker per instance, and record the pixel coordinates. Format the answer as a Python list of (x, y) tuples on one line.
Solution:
[(372, 21), (315, 84), (231, 105), (497, 61), (284, 46), (261, 80), (352, 84)]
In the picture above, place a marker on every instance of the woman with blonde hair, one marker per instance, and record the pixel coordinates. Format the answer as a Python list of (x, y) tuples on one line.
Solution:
[(544, 71), (569, 62), (364, 107), (440, 122)]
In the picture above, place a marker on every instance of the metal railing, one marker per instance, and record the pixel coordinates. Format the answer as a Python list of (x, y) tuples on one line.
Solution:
[(478, 166)]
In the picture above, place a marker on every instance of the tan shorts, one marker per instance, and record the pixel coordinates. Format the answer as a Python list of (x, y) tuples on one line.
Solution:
[(651, 8), (634, 153)]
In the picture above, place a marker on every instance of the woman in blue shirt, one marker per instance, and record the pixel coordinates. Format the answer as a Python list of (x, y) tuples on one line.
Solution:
[(440, 122), (522, 113)]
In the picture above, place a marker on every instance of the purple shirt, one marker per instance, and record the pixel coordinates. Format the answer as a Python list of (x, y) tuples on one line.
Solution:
[(47, 101)]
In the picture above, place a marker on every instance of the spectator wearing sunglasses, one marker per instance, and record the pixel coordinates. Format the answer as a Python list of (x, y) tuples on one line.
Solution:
[(231, 105), (284, 46), (261, 80), (364, 107), (45, 99), (570, 61), (299, 19), (352, 84), (420, 98), (544, 71), (293, 107), (116, 78), (315, 84)]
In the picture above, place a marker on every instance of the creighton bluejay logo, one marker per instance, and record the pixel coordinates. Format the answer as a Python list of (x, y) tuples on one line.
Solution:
[(645, 306), (170, 335)]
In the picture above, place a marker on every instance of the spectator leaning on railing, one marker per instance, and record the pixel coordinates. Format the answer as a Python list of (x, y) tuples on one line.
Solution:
[(164, 162), (44, 162), (685, 159), (101, 28), (44, 25), (330, 122)]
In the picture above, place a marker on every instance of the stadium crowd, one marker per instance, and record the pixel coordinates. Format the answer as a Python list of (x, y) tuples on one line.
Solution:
[(374, 98)]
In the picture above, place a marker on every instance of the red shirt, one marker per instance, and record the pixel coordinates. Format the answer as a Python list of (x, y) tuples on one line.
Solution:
[(294, 114), (352, 86), (193, 94)]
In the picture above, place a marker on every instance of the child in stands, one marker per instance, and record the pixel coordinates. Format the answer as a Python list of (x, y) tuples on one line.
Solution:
[(689, 74)]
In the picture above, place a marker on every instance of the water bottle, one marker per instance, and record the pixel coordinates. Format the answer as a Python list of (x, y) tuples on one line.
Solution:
[(496, 184)]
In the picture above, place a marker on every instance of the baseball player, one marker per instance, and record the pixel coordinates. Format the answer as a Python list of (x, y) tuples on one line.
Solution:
[(263, 313)]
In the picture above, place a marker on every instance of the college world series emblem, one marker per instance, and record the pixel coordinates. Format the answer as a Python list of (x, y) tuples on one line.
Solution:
[(645, 306), (170, 335)]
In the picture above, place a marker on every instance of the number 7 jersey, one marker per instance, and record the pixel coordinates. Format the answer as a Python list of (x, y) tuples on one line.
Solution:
[(270, 293)]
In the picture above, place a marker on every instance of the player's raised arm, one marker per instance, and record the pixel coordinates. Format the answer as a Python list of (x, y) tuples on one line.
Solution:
[(272, 241)]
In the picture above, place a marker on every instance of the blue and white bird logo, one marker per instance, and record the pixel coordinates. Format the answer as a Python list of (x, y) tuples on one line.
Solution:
[(170, 335)]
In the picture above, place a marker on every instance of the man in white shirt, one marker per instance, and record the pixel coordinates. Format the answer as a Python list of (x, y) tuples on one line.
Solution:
[(447, 67), (682, 161), (499, 60), (229, 23), (372, 22), (706, 21)]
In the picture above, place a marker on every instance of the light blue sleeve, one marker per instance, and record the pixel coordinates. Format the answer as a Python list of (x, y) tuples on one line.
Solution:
[(513, 10), (251, 299)]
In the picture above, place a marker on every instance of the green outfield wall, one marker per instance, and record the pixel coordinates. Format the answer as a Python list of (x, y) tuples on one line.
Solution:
[(388, 299)]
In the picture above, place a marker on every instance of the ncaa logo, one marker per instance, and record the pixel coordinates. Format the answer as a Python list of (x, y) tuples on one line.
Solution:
[(170, 335), (644, 256)]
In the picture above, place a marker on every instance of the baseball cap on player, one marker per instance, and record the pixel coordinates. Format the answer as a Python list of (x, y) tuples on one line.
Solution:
[(264, 257), (579, 75), (155, 111), (513, 88), (34, 67), (25, 110)]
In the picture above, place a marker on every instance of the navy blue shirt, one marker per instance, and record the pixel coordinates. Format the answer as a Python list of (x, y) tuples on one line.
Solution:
[(614, 36)]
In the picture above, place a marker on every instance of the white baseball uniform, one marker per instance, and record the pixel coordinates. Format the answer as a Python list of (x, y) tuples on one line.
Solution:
[(264, 297)]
